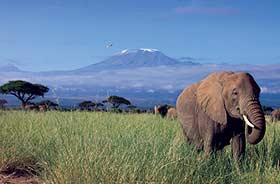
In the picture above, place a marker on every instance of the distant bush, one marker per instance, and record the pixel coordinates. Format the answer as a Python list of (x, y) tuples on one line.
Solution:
[(267, 110), (116, 101), (115, 110)]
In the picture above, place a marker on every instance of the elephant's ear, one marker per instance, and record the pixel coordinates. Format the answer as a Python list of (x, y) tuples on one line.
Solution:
[(210, 99)]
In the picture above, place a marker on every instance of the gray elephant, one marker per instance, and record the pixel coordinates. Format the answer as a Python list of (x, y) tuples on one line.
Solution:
[(161, 110), (156, 112), (214, 111), (275, 115), (171, 113), (165, 111), (31, 106)]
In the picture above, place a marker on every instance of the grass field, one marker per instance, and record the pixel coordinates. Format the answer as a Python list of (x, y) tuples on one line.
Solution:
[(87, 147)]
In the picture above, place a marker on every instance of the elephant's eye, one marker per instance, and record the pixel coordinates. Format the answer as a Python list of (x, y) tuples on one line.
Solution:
[(234, 92)]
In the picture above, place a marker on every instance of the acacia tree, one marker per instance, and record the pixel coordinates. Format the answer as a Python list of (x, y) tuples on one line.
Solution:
[(116, 101), (23, 90), (89, 105), (86, 105), (98, 106)]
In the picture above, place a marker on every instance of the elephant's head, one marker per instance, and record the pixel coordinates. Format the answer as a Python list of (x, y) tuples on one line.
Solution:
[(163, 109), (236, 95)]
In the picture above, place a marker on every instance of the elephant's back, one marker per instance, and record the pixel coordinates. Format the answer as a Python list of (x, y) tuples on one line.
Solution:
[(186, 110), (275, 114), (186, 99), (171, 113)]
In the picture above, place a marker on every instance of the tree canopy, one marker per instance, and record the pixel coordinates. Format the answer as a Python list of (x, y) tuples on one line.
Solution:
[(116, 101), (87, 105), (23, 90)]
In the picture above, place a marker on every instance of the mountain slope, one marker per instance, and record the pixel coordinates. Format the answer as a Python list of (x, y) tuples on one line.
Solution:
[(9, 68), (133, 58)]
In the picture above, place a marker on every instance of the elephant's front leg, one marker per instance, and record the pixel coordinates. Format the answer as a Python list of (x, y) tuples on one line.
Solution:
[(208, 146), (238, 145), (208, 143), (208, 131)]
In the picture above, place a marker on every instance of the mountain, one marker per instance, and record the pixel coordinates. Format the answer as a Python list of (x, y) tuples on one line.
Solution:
[(9, 68), (133, 58)]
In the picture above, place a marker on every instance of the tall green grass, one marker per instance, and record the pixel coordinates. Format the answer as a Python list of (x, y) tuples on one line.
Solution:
[(87, 147)]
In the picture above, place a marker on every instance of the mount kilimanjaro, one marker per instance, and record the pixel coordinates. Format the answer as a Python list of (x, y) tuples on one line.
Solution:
[(135, 58)]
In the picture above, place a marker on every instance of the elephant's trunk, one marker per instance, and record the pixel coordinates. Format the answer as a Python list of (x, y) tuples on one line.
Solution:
[(255, 116)]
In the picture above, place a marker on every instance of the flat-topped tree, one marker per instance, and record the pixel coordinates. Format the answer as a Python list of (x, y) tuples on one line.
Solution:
[(86, 105), (23, 90), (116, 101)]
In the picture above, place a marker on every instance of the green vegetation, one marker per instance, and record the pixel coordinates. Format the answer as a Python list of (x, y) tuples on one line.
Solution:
[(23, 90), (116, 101), (96, 147)]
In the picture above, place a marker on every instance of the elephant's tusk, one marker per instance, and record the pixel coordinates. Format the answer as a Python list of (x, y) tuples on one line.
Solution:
[(248, 122)]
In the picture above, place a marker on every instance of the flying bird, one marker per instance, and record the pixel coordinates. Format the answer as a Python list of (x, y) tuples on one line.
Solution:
[(109, 45)]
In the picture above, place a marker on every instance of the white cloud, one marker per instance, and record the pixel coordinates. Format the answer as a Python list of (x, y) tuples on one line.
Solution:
[(151, 91), (264, 90), (167, 87)]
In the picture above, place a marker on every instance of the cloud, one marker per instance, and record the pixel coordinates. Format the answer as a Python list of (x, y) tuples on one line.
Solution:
[(151, 91), (206, 10), (264, 90), (167, 87)]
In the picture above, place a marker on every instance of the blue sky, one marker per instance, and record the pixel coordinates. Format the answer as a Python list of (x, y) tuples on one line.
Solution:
[(42, 35)]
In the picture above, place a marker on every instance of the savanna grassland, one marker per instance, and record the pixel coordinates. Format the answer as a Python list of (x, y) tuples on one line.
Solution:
[(96, 147)]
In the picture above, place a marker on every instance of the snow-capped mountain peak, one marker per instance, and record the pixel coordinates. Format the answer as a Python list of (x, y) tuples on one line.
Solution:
[(131, 51), (149, 50), (124, 51)]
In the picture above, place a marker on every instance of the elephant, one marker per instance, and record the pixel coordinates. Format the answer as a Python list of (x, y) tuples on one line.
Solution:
[(31, 106), (275, 115), (36, 107), (161, 109), (42, 108), (214, 111), (2, 102), (156, 109), (165, 111), (171, 113)]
